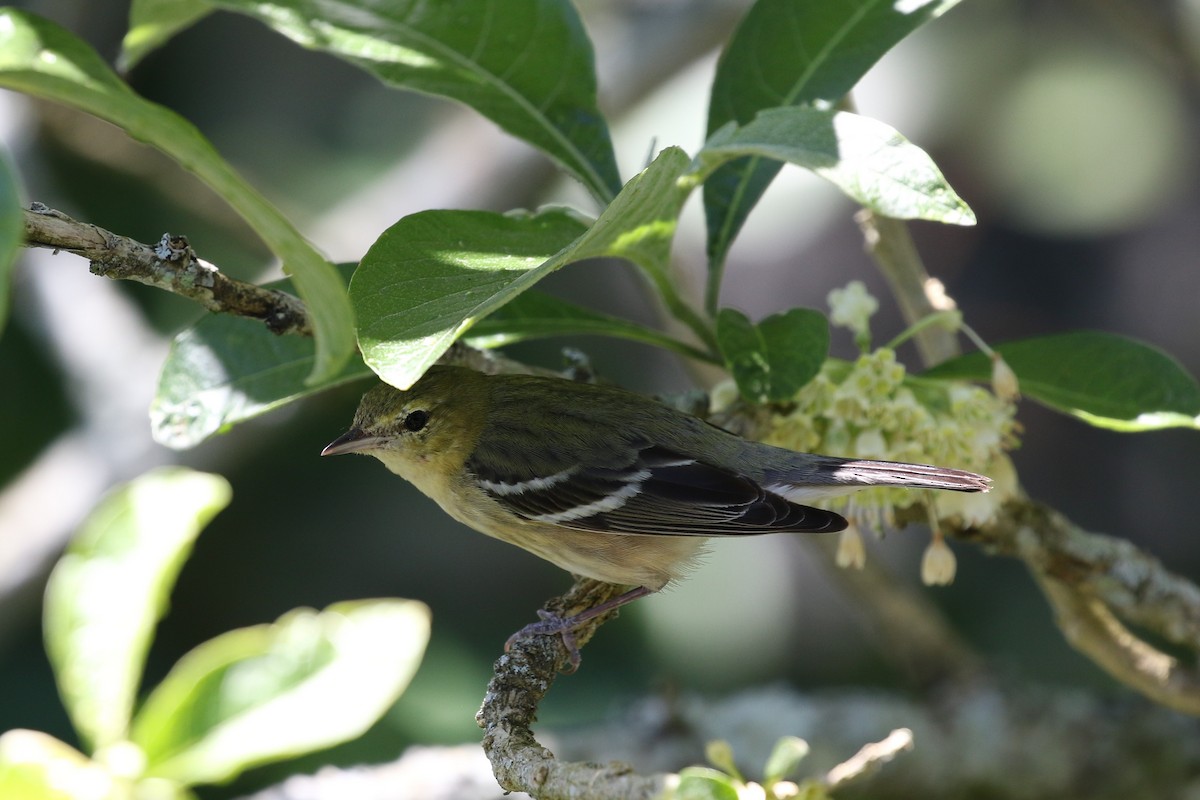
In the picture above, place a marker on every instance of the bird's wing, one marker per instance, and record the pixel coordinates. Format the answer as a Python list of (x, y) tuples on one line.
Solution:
[(645, 488)]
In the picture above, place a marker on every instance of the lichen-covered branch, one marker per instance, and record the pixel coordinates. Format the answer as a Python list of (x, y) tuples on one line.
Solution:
[(1095, 584), (522, 678), (171, 265)]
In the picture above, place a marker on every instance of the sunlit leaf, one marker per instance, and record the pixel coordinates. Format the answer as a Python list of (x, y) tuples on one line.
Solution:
[(785, 758), (702, 783), (41, 59), (36, 766), (254, 695), (869, 161), (435, 274), (791, 53), (110, 588)]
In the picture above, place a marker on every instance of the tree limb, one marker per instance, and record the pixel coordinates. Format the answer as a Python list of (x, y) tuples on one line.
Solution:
[(171, 265), (1092, 582), (522, 678)]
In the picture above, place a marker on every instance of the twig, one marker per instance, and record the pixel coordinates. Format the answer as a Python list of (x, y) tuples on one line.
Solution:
[(170, 265), (870, 758), (522, 678), (1092, 581), (888, 241)]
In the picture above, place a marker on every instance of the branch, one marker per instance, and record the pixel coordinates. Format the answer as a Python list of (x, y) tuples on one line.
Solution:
[(522, 678), (171, 265), (1092, 582), (888, 241)]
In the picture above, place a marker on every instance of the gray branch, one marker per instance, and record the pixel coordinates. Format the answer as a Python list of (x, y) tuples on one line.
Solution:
[(171, 265), (1097, 583)]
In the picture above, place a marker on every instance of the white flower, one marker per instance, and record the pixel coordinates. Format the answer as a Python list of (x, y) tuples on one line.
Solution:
[(852, 308), (1004, 380), (850, 551), (938, 564)]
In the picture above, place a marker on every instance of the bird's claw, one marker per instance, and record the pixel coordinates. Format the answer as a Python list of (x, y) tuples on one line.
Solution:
[(550, 624)]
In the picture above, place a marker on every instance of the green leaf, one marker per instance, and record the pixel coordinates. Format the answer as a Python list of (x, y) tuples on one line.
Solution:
[(12, 229), (868, 160), (791, 53), (1106, 380), (526, 65), (110, 588), (224, 370), (36, 766), (784, 759), (535, 315), (774, 359), (435, 274), (43, 60), (260, 694), (153, 22), (430, 276), (702, 783)]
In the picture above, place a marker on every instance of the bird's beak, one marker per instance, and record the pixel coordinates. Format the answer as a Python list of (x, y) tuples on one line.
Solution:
[(354, 440)]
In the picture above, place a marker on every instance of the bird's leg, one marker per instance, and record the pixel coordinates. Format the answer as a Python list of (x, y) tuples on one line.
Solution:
[(550, 623)]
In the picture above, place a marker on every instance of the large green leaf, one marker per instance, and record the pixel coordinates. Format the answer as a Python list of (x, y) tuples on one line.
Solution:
[(36, 766), (11, 230), (110, 588), (1106, 380), (774, 359), (868, 160), (224, 370), (434, 274), (260, 694), (153, 22), (791, 53), (534, 315), (526, 65), (43, 60)]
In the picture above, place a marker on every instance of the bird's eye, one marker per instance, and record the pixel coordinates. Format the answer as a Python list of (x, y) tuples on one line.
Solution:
[(416, 420)]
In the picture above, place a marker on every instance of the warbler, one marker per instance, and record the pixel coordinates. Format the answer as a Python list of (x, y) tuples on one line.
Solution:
[(601, 481)]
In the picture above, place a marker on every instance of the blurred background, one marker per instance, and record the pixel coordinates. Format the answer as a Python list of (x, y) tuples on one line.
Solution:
[(1070, 128)]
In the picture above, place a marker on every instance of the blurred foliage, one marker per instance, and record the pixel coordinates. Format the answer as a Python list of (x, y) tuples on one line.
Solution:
[(244, 698)]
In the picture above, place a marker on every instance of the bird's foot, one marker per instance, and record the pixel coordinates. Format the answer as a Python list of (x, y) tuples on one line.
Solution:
[(550, 624)]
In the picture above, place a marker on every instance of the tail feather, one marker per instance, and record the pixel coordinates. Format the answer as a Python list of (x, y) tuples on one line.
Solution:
[(916, 476), (825, 476)]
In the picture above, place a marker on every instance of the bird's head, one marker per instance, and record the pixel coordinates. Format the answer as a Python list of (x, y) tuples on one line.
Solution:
[(425, 426)]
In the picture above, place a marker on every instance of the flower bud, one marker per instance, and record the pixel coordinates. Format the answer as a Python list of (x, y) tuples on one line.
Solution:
[(938, 564), (1004, 380), (851, 552)]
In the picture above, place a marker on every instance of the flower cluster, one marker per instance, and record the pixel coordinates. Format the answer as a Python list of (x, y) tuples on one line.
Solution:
[(872, 408)]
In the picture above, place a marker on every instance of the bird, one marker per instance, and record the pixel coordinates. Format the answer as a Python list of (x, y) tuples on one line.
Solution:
[(604, 482)]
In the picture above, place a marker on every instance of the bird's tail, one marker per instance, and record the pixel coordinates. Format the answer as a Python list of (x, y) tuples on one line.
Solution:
[(826, 476)]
